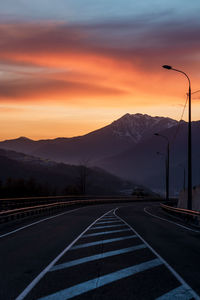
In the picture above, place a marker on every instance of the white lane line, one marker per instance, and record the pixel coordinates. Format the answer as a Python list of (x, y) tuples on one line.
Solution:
[(178, 277), (104, 232), (37, 222), (104, 242), (111, 218), (110, 226), (96, 257), (95, 283), (177, 224), (107, 222), (41, 275), (179, 293)]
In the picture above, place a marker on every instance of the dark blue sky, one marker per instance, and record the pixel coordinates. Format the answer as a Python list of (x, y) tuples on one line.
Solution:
[(93, 11)]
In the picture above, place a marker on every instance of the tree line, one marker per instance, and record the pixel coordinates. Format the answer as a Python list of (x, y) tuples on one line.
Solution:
[(20, 187)]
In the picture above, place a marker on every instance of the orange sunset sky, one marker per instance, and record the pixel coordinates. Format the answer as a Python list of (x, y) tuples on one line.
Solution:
[(69, 69)]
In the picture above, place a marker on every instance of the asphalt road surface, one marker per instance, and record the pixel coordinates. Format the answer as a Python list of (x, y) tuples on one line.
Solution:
[(122, 251)]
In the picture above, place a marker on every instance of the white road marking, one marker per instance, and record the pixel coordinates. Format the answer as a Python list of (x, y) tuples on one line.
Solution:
[(41, 275), (178, 277), (104, 232), (106, 226), (177, 224), (37, 222), (104, 242), (96, 257), (107, 222), (180, 293), (109, 219), (95, 283), (83, 287)]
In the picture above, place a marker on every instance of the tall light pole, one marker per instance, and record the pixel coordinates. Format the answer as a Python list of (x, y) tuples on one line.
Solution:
[(167, 164), (189, 203), (162, 154), (182, 166)]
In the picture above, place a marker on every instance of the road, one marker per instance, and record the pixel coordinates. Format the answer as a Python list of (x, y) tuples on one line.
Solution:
[(110, 251)]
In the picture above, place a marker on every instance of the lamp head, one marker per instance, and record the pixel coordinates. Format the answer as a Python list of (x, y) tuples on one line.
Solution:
[(167, 67)]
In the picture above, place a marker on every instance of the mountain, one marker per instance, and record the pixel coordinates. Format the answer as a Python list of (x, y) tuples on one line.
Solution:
[(138, 127), (141, 163), (112, 139), (59, 177), (126, 148)]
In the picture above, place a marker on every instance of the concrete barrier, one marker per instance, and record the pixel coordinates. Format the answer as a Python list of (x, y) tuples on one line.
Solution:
[(182, 201)]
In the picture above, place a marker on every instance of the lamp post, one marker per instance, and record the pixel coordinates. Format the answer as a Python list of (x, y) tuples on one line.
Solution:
[(167, 164), (189, 203), (162, 154), (183, 167), (184, 178)]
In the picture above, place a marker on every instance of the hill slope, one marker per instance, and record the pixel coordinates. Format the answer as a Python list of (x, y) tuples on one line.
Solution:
[(60, 177), (127, 148), (113, 139), (141, 163)]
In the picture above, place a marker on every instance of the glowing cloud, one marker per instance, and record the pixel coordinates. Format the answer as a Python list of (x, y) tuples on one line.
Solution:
[(106, 65)]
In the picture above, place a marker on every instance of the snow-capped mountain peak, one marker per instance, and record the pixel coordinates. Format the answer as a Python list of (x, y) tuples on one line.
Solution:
[(137, 126)]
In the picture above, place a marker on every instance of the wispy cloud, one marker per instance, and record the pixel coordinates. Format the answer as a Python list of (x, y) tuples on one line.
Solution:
[(41, 88), (124, 40), (120, 58)]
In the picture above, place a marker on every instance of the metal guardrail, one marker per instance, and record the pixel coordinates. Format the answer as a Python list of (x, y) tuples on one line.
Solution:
[(14, 203), (191, 216), (18, 213)]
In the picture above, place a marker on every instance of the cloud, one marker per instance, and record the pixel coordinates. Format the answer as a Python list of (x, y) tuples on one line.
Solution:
[(53, 89), (126, 41), (94, 60)]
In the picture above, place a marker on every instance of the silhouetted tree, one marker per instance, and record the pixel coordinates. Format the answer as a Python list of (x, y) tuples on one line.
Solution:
[(83, 174), (14, 188)]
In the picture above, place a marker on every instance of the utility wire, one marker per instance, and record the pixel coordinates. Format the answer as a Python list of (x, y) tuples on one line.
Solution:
[(172, 144), (176, 133), (178, 127)]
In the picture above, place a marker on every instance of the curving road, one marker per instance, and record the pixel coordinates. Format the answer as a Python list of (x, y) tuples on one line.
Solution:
[(123, 251)]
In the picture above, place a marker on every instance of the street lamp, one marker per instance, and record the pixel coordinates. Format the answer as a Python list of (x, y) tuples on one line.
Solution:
[(167, 164), (180, 165), (189, 204), (162, 154)]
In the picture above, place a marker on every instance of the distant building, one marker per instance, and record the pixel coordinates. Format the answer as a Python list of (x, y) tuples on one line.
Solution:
[(139, 192)]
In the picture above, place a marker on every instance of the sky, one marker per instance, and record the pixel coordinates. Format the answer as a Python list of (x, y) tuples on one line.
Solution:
[(68, 67)]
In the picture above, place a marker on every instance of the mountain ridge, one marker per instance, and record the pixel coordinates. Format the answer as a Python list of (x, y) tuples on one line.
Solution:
[(112, 139), (127, 147), (125, 117), (59, 177)]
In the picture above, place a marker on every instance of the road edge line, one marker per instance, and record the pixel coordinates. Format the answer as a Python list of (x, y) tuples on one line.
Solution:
[(169, 221), (33, 283), (37, 222), (178, 277)]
